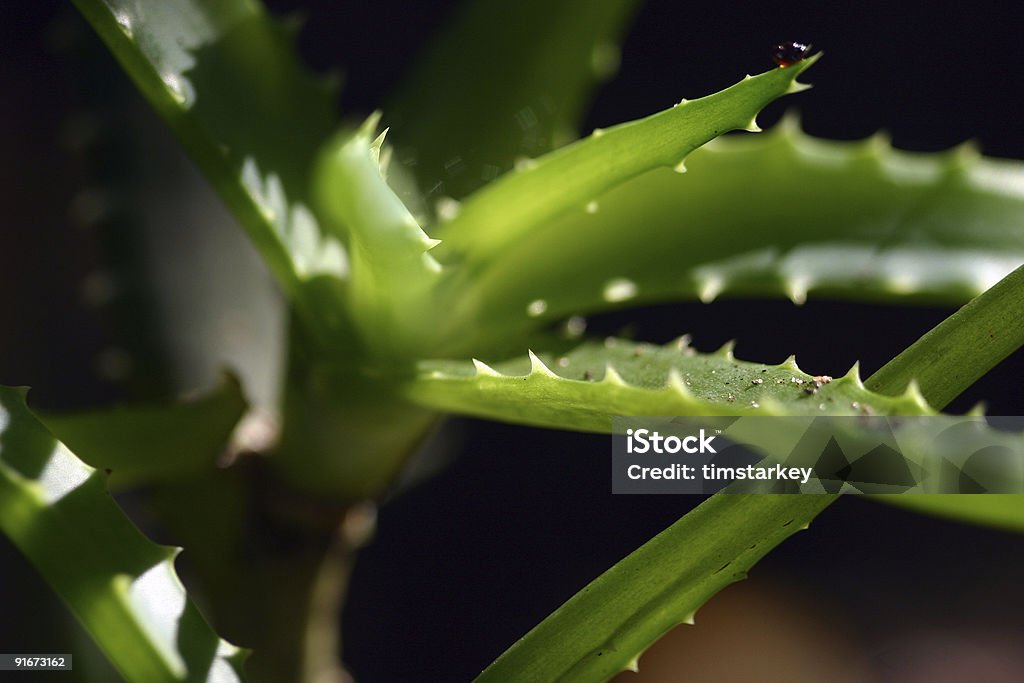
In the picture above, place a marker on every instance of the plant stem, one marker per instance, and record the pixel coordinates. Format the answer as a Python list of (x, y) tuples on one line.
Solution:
[(272, 563)]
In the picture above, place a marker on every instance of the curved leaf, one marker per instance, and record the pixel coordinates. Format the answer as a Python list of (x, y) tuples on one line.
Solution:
[(525, 201), (122, 587), (391, 271), (226, 79), (141, 444), (583, 389), (968, 343), (640, 597), (766, 215), (618, 615)]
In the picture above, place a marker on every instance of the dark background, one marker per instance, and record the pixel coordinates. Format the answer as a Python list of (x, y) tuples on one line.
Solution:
[(466, 562)]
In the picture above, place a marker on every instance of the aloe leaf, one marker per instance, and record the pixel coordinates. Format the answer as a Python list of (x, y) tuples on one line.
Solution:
[(970, 342), (584, 388), (144, 443), (636, 610), (963, 347), (122, 587), (659, 585), (226, 79), (392, 273), (858, 220), (504, 80), (526, 201)]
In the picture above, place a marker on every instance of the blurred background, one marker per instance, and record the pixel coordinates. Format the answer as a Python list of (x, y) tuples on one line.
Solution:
[(122, 277)]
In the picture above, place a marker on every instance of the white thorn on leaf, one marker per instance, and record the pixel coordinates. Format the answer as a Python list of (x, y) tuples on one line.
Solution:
[(978, 410), (675, 383), (796, 289), (484, 370), (537, 366), (710, 288), (797, 86), (612, 376), (913, 392), (853, 374), (369, 126)]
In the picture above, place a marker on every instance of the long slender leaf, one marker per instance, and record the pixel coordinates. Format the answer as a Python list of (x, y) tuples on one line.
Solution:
[(122, 587), (584, 388), (968, 343), (644, 597), (767, 215), (525, 201), (659, 586)]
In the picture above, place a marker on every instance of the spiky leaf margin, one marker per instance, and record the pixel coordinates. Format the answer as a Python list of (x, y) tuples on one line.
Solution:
[(139, 444), (779, 214), (582, 390), (226, 78), (121, 586), (526, 200)]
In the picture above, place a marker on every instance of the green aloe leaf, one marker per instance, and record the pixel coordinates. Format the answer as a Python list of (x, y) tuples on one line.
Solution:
[(392, 273), (144, 443), (121, 586), (659, 586), (641, 597), (584, 388), (504, 80), (858, 220), (227, 80), (528, 199)]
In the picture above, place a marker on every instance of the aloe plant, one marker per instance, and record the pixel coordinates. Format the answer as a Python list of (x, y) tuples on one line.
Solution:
[(435, 262)]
